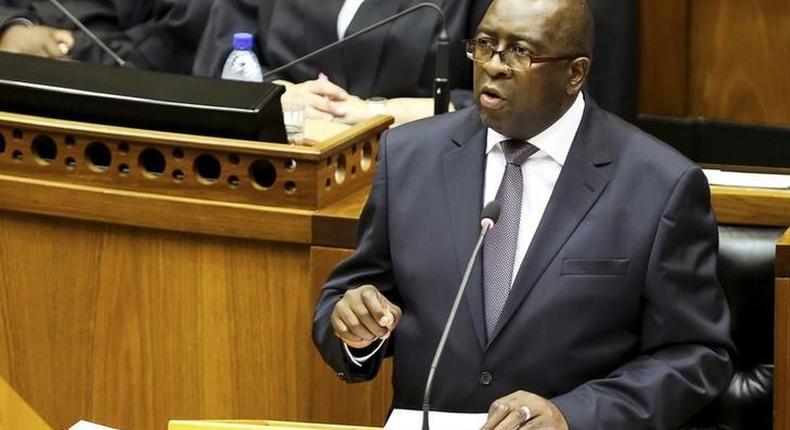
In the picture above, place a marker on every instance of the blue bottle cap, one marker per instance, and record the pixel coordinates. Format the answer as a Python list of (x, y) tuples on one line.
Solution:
[(242, 40)]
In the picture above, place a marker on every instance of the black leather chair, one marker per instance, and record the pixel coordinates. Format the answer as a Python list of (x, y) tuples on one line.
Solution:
[(746, 272)]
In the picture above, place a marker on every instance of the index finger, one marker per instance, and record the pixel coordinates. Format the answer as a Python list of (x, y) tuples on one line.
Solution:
[(64, 36), (328, 89), (377, 305)]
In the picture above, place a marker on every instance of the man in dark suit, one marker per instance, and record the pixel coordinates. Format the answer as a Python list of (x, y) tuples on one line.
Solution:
[(595, 304)]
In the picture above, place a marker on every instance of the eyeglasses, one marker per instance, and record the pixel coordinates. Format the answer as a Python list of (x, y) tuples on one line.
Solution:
[(515, 57)]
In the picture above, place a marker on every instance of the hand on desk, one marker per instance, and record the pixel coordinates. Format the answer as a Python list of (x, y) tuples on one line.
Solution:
[(364, 315), (319, 96), (524, 410), (403, 109), (37, 40), (326, 100)]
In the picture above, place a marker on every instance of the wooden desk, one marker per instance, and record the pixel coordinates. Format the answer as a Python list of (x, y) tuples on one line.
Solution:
[(782, 335), (259, 425), (135, 288), (750, 206)]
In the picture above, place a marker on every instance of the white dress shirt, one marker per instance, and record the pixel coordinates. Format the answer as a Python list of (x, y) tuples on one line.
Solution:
[(346, 15), (540, 172)]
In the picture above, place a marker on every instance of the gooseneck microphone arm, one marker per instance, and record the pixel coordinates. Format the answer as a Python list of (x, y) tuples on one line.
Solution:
[(441, 57), (88, 33), (489, 218)]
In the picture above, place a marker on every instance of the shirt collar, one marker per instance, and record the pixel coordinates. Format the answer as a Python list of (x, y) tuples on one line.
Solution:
[(556, 140)]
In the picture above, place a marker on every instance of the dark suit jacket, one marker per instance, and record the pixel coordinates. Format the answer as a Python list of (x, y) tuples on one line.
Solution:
[(397, 60), (152, 34), (616, 314), (8, 12)]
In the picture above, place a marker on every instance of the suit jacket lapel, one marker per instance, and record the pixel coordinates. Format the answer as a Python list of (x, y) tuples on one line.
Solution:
[(463, 168), (578, 187)]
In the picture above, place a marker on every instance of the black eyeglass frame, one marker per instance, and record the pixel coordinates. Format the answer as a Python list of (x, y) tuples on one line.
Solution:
[(471, 44)]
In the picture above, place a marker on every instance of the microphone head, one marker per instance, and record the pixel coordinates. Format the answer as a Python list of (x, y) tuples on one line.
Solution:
[(490, 214)]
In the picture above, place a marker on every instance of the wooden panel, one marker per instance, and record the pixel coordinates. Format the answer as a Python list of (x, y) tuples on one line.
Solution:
[(131, 327), (180, 165), (783, 256), (663, 86), (336, 225), (152, 210), (782, 356), (740, 54), (751, 206), (371, 400), (782, 335), (15, 413), (258, 425)]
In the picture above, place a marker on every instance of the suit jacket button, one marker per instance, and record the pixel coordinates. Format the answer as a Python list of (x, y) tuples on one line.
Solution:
[(485, 378)]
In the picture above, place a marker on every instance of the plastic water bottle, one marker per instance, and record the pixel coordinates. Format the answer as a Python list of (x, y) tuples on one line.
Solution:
[(242, 64)]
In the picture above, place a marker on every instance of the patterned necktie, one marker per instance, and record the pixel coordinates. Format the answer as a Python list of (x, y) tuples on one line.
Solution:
[(499, 249)]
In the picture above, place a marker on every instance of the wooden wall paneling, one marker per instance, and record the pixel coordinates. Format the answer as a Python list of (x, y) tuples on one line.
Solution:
[(740, 51), (132, 327), (782, 335), (663, 86), (371, 400)]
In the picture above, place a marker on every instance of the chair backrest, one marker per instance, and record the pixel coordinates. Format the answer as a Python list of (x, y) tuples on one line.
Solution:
[(746, 273)]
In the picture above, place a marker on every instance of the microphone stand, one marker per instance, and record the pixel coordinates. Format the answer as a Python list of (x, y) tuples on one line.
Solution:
[(441, 83), (487, 223)]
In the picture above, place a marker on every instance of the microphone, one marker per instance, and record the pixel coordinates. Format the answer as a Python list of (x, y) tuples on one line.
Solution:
[(441, 82), (489, 217), (91, 35)]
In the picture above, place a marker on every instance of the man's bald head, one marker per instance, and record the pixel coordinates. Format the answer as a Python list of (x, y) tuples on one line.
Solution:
[(576, 27), (570, 22)]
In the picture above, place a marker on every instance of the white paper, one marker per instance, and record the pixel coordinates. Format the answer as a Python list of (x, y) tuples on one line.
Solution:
[(85, 425), (407, 419), (745, 179)]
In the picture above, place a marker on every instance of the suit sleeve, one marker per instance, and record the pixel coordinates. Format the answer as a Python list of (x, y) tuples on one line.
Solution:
[(226, 18), (686, 346), (8, 13), (167, 40), (369, 264)]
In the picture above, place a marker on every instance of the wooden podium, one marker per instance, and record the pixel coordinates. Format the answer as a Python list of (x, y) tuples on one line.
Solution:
[(146, 276)]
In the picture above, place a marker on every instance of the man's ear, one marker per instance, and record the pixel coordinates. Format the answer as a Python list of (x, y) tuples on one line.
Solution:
[(577, 74)]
